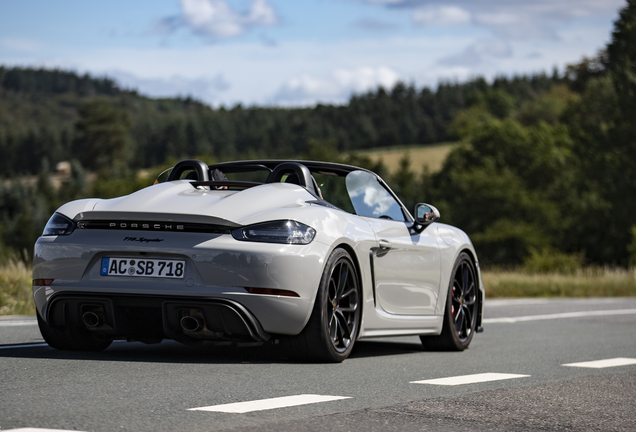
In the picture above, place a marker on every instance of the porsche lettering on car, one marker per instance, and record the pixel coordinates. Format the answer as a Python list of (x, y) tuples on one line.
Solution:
[(313, 255)]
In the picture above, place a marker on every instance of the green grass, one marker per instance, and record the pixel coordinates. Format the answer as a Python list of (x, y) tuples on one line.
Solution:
[(431, 156), (15, 289), (590, 282)]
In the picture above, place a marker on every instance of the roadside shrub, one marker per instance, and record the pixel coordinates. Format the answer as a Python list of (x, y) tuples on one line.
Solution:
[(549, 260)]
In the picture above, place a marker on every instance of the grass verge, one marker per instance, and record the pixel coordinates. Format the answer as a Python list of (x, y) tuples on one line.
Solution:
[(589, 282), (15, 289)]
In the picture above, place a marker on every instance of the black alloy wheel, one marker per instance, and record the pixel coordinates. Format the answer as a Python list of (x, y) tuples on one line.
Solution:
[(333, 327), (342, 305), (464, 301), (462, 308)]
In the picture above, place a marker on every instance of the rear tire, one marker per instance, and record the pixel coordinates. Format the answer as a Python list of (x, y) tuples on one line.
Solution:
[(71, 338), (462, 307), (333, 327)]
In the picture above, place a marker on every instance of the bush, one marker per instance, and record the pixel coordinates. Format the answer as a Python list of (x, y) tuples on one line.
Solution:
[(549, 260)]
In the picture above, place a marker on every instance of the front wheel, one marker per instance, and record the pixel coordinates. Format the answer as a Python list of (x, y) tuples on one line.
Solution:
[(335, 320), (462, 306)]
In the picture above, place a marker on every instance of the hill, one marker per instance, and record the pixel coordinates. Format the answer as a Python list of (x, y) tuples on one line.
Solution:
[(40, 110)]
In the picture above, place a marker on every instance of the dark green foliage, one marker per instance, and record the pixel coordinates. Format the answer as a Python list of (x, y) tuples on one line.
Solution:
[(103, 139), (548, 107), (496, 101), (40, 109), (24, 211), (46, 81), (517, 188), (589, 68), (602, 125), (75, 186), (550, 260), (622, 56)]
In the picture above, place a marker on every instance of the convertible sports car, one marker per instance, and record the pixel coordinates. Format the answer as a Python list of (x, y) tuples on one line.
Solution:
[(311, 255)]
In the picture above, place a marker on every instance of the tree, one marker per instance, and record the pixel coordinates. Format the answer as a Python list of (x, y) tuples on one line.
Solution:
[(103, 139), (603, 126), (509, 186), (622, 56)]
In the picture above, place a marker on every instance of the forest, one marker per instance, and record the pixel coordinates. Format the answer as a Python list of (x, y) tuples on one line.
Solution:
[(544, 175)]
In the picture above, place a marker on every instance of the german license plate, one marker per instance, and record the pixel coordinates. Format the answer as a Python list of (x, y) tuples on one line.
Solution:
[(142, 267)]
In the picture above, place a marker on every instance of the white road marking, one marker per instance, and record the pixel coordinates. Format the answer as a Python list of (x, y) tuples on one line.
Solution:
[(600, 364), (267, 404), (560, 316), (553, 300), (470, 379), (16, 323), (39, 430), (43, 344), (515, 302)]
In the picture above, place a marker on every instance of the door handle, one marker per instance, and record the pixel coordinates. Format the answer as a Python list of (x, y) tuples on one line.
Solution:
[(384, 244)]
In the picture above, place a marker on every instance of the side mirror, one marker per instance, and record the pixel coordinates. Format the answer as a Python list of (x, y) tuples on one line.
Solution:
[(425, 214)]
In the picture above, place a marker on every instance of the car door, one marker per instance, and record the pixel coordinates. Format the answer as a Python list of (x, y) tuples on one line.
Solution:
[(405, 265)]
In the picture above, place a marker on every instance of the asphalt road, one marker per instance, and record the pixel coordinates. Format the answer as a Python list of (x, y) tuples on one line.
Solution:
[(137, 387)]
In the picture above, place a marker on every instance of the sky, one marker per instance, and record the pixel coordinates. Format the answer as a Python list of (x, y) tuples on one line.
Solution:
[(299, 52)]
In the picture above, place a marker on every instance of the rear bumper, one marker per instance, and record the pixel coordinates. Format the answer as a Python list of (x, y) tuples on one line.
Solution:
[(152, 318), (217, 267)]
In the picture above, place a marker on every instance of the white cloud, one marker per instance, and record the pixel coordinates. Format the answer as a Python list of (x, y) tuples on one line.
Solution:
[(338, 87), (519, 19), (479, 52), (562, 7), (362, 79), (499, 18), (440, 16), (207, 89), (215, 18), (261, 13), (519, 26)]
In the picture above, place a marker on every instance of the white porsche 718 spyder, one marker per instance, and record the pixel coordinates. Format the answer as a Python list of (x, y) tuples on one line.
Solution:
[(313, 255)]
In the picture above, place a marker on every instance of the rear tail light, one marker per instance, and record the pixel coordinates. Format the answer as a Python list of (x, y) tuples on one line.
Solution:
[(42, 282), (58, 225)]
